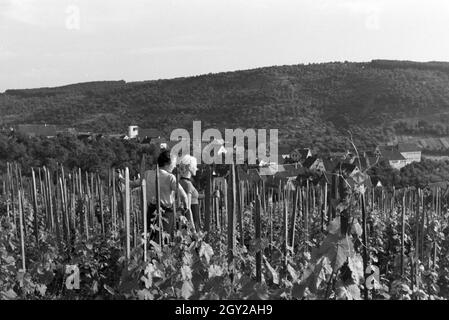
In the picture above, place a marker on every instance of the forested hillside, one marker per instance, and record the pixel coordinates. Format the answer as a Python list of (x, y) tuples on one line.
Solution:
[(312, 105)]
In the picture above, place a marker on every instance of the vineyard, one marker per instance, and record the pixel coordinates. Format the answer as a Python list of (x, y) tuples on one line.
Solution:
[(77, 235)]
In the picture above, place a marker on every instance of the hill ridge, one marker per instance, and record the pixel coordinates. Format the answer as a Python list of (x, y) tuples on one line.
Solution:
[(311, 104)]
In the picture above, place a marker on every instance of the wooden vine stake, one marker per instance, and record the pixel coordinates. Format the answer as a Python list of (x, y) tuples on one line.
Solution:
[(49, 199), (285, 230), (43, 197), (6, 190), (35, 218), (217, 209), (403, 234), (22, 236), (11, 188), (88, 200), (423, 217), (175, 203), (207, 202), (225, 199), (306, 218), (258, 239), (54, 209), (144, 210), (100, 194), (66, 206), (240, 187), (133, 218), (114, 204), (324, 214), (279, 201), (158, 205), (294, 215), (417, 222), (364, 240), (231, 215), (127, 216), (270, 217), (64, 225)]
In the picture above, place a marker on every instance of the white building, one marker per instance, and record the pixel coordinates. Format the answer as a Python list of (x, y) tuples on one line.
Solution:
[(133, 132), (392, 155), (410, 152)]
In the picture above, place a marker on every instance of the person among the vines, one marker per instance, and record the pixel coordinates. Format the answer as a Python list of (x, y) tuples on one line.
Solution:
[(167, 188), (187, 169)]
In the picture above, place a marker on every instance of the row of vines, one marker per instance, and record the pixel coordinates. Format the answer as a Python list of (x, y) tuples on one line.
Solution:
[(74, 235)]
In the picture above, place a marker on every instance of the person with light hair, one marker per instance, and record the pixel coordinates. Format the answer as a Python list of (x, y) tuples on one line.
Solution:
[(187, 167)]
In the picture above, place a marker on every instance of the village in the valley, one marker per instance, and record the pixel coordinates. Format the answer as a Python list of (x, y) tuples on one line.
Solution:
[(292, 162)]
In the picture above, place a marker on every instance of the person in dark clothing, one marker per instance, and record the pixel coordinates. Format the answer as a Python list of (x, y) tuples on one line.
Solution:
[(167, 188)]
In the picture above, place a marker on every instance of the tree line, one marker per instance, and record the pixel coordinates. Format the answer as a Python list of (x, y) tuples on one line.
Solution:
[(100, 154)]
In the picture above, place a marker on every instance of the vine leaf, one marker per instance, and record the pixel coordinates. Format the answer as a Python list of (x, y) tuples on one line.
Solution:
[(337, 248), (144, 294), (326, 260), (148, 281), (324, 269), (8, 295), (350, 292), (313, 277), (345, 249), (354, 292), (355, 264), (215, 271), (356, 228), (206, 251), (187, 289), (41, 288), (186, 273)]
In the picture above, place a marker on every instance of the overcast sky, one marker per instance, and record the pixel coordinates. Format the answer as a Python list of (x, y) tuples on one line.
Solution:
[(56, 42)]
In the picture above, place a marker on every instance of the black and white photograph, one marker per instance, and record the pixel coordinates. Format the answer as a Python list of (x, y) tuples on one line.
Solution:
[(224, 154)]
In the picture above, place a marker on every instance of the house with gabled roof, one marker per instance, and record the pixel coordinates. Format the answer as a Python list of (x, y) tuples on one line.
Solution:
[(314, 163), (392, 155), (410, 151)]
